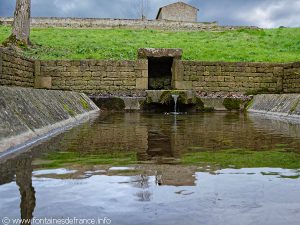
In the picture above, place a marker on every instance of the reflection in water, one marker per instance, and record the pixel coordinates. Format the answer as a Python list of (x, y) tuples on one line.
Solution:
[(159, 189), (142, 182), (211, 131), (274, 126), (166, 138), (159, 144), (24, 181), (22, 168), (244, 196)]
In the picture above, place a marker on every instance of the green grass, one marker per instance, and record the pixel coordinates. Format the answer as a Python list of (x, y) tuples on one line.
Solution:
[(272, 45), (240, 158)]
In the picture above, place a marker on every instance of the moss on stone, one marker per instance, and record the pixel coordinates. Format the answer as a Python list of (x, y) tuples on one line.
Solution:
[(232, 104), (149, 100), (70, 111), (13, 41), (199, 105), (183, 98), (166, 97), (294, 106), (84, 104), (111, 104), (208, 109), (249, 104)]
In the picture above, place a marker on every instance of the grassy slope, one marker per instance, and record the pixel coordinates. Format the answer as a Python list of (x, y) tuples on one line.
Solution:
[(275, 45)]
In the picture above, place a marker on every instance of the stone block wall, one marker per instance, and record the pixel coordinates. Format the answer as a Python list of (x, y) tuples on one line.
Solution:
[(130, 77), (16, 70), (291, 82), (95, 76), (99, 23), (233, 77)]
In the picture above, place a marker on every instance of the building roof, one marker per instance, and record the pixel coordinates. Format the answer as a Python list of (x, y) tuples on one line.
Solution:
[(174, 4)]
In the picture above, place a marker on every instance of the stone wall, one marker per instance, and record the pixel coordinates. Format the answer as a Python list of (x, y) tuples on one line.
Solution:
[(233, 77), (16, 70), (291, 83), (128, 77), (95, 76), (44, 22)]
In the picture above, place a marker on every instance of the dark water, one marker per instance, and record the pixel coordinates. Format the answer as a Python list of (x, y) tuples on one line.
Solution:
[(222, 168)]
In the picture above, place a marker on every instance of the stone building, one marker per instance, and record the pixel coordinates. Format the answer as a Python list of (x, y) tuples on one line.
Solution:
[(178, 11)]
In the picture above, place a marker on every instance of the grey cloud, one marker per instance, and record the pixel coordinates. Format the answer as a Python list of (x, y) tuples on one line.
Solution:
[(7, 7), (264, 13)]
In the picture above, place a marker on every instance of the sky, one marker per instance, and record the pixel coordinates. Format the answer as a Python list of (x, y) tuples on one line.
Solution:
[(261, 13)]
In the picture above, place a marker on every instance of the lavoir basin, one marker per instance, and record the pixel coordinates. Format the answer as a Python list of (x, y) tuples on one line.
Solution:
[(140, 168)]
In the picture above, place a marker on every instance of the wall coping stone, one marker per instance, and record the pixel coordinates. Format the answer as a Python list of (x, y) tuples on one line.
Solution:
[(144, 53)]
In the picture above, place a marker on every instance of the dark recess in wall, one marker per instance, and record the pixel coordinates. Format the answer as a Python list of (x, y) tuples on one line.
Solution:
[(160, 73)]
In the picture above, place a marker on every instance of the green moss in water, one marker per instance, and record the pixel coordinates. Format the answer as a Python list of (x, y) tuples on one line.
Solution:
[(232, 104), (290, 177), (62, 159), (242, 158)]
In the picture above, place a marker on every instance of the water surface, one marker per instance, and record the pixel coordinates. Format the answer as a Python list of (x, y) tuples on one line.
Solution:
[(217, 168)]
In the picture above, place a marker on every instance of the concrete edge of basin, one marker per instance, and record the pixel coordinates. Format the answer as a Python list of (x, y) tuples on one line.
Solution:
[(276, 116), (20, 143)]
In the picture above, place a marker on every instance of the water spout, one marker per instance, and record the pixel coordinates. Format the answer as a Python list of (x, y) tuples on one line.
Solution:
[(175, 97)]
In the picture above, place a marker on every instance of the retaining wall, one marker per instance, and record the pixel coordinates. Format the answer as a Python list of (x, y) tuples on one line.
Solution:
[(28, 115), (98, 76), (44, 22), (95, 76), (16, 70), (234, 77), (126, 77), (291, 82)]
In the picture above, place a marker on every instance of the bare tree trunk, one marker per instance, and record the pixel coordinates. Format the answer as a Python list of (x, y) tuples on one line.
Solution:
[(21, 25)]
